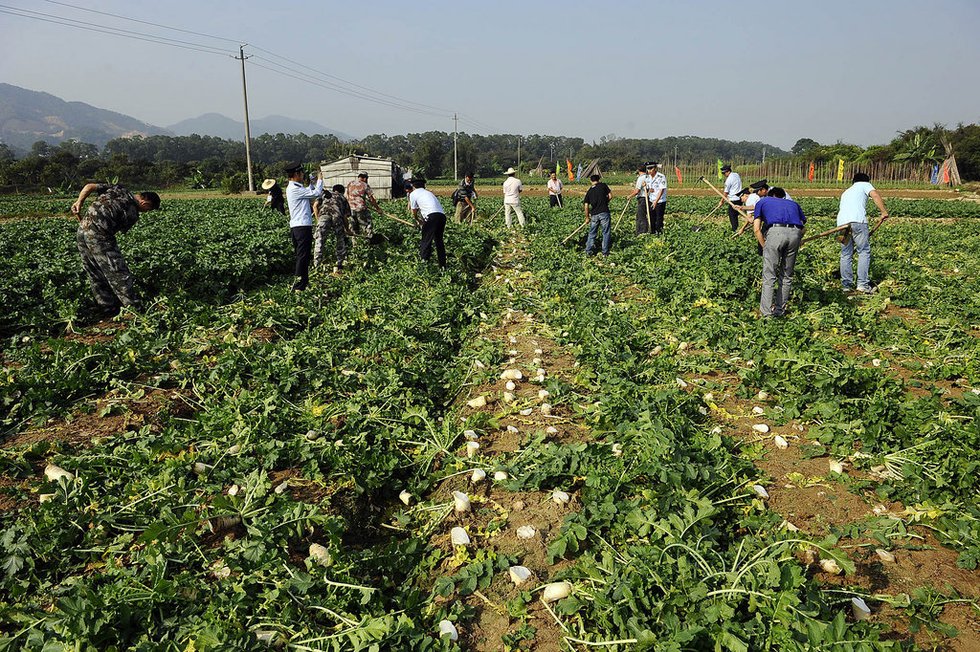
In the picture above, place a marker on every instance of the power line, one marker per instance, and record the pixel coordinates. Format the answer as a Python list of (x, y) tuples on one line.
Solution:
[(115, 31), (143, 22)]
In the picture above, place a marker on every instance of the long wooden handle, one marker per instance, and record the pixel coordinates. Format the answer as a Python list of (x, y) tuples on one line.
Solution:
[(398, 219), (832, 231), (574, 232), (620, 218), (880, 222), (723, 196)]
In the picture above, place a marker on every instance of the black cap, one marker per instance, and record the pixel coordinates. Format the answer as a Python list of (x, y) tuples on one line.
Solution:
[(408, 185), (726, 168), (745, 191), (290, 168), (759, 185)]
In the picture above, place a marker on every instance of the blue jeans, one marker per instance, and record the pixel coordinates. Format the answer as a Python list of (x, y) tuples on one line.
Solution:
[(861, 241), (598, 218)]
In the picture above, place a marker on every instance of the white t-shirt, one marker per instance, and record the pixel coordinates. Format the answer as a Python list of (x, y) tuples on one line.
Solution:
[(512, 191), (658, 182), (642, 184), (751, 201), (854, 204), (554, 187), (426, 202), (732, 185)]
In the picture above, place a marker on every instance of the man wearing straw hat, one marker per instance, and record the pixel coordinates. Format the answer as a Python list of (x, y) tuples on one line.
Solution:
[(275, 199), (512, 197)]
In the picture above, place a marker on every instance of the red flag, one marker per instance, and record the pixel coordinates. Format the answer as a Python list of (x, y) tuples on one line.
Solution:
[(680, 179), (946, 173), (571, 173), (813, 169)]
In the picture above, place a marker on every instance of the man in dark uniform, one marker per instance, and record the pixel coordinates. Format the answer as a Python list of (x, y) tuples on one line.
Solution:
[(115, 210)]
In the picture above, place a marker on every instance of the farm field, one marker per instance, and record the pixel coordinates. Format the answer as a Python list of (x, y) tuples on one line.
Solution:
[(533, 451)]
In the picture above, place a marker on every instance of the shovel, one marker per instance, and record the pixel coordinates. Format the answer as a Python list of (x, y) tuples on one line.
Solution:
[(701, 222)]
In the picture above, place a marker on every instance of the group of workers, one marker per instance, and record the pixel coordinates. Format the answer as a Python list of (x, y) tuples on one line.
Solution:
[(778, 224)]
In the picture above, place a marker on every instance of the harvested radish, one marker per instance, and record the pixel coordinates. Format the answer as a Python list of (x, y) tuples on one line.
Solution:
[(511, 385), (200, 468), (459, 537), (513, 429), (884, 555), (470, 435), (477, 476), (708, 397), (320, 555), (54, 473), (538, 351), (760, 491), (500, 476), (283, 486), (830, 566), (758, 410), (477, 402), (512, 374), (446, 628), (44, 498), (526, 532), (789, 527), (508, 397), (546, 409), (617, 450), (780, 442), (312, 435), (536, 362), (233, 490), (519, 574), (657, 350), (556, 591), (762, 396), (543, 394), (680, 383), (461, 501), (526, 412), (836, 466), (876, 362), (860, 609), (761, 427), (234, 450), (560, 497), (405, 497), (472, 448), (551, 430)]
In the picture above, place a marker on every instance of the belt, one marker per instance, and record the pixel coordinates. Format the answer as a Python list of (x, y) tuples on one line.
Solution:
[(788, 226)]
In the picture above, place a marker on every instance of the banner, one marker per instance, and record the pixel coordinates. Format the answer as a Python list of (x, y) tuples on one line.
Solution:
[(571, 174), (840, 169), (579, 174), (557, 169), (812, 173), (720, 175), (680, 179), (946, 173), (934, 177)]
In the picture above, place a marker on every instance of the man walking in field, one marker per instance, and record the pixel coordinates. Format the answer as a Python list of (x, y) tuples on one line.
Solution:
[(115, 210), (332, 211), (596, 206), (512, 198), (359, 193), (733, 184), (428, 213), (854, 213), (554, 191), (298, 198), (778, 226), (658, 198), (643, 212)]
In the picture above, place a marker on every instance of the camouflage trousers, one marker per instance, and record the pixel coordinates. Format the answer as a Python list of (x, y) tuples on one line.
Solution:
[(361, 222), (108, 273), (321, 234)]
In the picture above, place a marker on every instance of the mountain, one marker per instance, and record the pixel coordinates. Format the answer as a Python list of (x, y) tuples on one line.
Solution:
[(28, 116), (215, 124)]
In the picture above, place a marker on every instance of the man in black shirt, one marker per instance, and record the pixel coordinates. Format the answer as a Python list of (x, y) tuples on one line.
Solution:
[(596, 205)]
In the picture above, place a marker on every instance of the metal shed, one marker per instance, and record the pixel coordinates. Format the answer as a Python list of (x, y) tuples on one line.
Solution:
[(385, 177)]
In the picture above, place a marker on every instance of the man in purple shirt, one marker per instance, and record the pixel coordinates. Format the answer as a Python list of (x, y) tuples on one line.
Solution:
[(778, 226)]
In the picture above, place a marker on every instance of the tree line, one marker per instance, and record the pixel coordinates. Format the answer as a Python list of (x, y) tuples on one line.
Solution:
[(210, 162)]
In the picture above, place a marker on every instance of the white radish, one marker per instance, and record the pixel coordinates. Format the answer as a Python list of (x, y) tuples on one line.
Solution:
[(546, 409), (556, 591), (233, 490), (283, 486), (836, 466), (541, 373), (526, 412), (657, 350), (830, 566), (519, 574), (312, 435), (758, 410), (617, 450), (405, 497), (551, 430), (236, 449), (860, 609), (446, 628), (762, 395), (477, 402), (538, 352), (44, 498), (780, 442), (789, 527), (536, 362), (461, 502), (54, 473), (560, 497), (680, 383), (472, 448), (500, 476), (200, 468), (508, 397), (760, 491), (478, 475), (761, 427), (876, 362), (884, 555), (320, 555), (511, 385), (512, 429), (708, 397), (543, 394), (512, 374), (526, 532), (459, 537), (470, 435)]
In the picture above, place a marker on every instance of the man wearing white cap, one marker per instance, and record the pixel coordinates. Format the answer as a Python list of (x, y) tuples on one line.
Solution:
[(512, 197)]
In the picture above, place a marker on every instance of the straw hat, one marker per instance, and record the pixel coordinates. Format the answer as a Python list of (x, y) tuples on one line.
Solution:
[(268, 183), (510, 171)]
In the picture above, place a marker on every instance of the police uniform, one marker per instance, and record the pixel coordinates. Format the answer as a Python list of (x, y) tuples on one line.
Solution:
[(658, 184), (643, 211), (115, 210)]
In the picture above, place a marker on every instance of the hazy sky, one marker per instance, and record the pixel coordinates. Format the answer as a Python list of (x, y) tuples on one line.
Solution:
[(856, 71)]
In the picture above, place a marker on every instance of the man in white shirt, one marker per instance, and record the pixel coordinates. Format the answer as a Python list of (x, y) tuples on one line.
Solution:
[(512, 197), (640, 190), (854, 213), (658, 198), (431, 217), (733, 184), (554, 191), (298, 198)]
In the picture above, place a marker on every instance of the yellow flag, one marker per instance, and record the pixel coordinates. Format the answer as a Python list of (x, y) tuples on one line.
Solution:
[(840, 169)]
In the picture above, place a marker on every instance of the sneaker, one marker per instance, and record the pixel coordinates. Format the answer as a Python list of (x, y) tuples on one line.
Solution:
[(867, 290)]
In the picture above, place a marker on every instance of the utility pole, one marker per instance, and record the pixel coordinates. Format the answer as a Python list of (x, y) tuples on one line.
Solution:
[(455, 151), (763, 155), (248, 134), (518, 155)]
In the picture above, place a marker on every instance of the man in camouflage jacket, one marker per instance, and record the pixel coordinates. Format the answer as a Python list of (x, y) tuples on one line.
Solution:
[(115, 210), (332, 212)]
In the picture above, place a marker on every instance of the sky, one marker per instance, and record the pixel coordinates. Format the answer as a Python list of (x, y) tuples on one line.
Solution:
[(854, 71)]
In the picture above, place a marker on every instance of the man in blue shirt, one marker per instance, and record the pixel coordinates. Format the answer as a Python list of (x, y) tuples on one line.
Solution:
[(298, 198), (778, 226)]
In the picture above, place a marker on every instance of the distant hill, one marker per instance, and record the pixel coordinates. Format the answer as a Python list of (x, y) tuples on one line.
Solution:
[(221, 126), (28, 116)]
